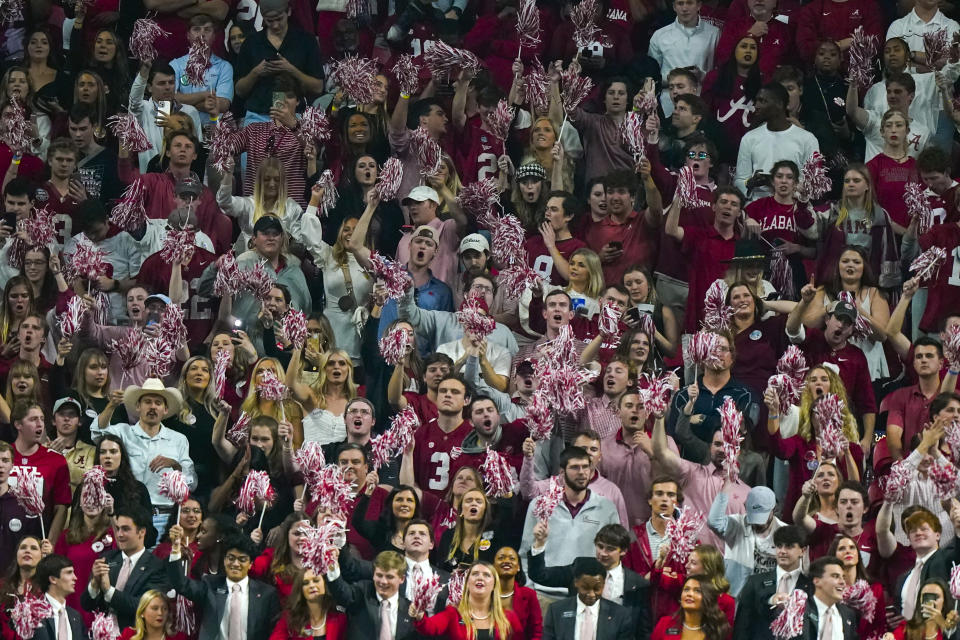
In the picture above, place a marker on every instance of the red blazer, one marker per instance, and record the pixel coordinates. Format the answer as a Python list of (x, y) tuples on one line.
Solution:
[(526, 607), (667, 623), (336, 628), (260, 570), (129, 632), (666, 589), (447, 624)]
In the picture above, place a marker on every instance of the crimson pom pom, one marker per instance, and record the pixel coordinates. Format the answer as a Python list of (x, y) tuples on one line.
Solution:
[(813, 179), (184, 620), (104, 627), (239, 433), (198, 61), (332, 492), (781, 275), (445, 61), (896, 483), (918, 207), (179, 246), (295, 328), (514, 280), (129, 348), (388, 182), (609, 322), (318, 546), (28, 494), (314, 126), (429, 154), (789, 624), (682, 534), (392, 442), (944, 476), (936, 45), (173, 486), (129, 133), (863, 53), (537, 86), (731, 422), (951, 346), (793, 363), (829, 413), (256, 488), (508, 239), (356, 77), (93, 491), (394, 345), (717, 314), (686, 192), (394, 275), (655, 393), (145, 33), (574, 89), (172, 326), (158, 353), (229, 280), (220, 365), (547, 502), (310, 460), (455, 585), (586, 32), (28, 613), (955, 581), (71, 318), (499, 475), (258, 281), (528, 23), (539, 419), (560, 376), (479, 198), (474, 319), (408, 74), (926, 266), (951, 436), (88, 261), (631, 132), (703, 349), (425, 591), (499, 120), (329, 199), (648, 105), (129, 212), (224, 142), (357, 8), (17, 129), (861, 328), (269, 387)]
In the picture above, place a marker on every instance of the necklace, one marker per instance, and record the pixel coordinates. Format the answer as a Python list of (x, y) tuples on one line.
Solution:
[(689, 628), (506, 595), (476, 617)]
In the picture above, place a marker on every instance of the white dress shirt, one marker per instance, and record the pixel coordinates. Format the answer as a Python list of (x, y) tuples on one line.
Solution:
[(822, 617), (792, 577), (425, 569), (244, 600), (594, 610), (922, 560), (676, 46), (57, 607), (614, 586), (394, 601)]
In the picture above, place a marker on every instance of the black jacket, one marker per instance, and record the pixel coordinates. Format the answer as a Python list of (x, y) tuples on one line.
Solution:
[(363, 610), (147, 574), (811, 622), (613, 621), (47, 631), (754, 614)]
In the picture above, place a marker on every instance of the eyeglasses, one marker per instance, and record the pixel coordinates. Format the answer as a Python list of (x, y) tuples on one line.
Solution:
[(232, 559), (698, 155), (34, 263), (482, 288), (196, 510)]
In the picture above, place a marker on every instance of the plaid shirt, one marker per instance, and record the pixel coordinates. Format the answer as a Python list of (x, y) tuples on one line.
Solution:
[(264, 139)]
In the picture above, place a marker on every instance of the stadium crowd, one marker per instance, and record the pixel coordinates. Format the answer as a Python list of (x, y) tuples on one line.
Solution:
[(670, 293)]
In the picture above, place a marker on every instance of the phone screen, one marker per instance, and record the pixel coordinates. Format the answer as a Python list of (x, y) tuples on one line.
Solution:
[(279, 97)]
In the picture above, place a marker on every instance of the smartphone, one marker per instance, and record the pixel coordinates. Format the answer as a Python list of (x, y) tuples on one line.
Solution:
[(279, 97), (633, 315), (164, 107), (153, 317), (10, 219), (927, 598), (616, 245)]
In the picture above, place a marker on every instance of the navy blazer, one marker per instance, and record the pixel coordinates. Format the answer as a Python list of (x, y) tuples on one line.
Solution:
[(147, 574), (811, 621), (613, 622), (363, 610), (47, 631), (754, 614)]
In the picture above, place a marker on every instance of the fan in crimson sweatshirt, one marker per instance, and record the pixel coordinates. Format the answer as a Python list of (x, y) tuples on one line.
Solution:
[(829, 20)]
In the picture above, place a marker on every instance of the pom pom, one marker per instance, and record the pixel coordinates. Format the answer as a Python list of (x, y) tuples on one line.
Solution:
[(129, 348), (829, 414), (499, 476), (72, 317), (224, 142), (28, 613), (655, 393), (499, 121), (310, 460), (781, 275), (184, 620), (142, 39), (269, 387), (951, 436), (332, 492), (528, 23), (408, 74), (88, 262), (319, 548), (295, 328), (329, 199), (239, 433), (130, 213), (394, 275), (896, 483), (395, 345), (258, 281), (172, 327), (103, 627), (179, 245), (474, 319), (926, 266), (357, 9), (547, 502), (703, 349), (559, 374), (609, 323), (256, 488), (229, 280), (220, 365), (129, 133), (686, 192), (314, 126), (536, 84), (455, 585), (388, 182), (789, 624), (955, 581), (631, 132), (17, 129), (717, 314), (479, 198), (793, 363), (394, 441), (574, 89), (159, 354), (28, 494), (586, 32), (936, 45), (862, 57), (814, 182), (860, 596), (951, 346), (428, 152), (731, 432), (508, 238), (356, 77), (648, 105), (539, 418), (425, 591), (918, 207), (944, 477), (682, 533), (445, 61), (173, 486), (93, 490), (861, 328), (516, 279), (198, 61)]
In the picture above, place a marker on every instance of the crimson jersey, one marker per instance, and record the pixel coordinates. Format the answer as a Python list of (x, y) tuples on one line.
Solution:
[(63, 208), (199, 315), (943, 298), (780, 220), (480, 152), (50, 468), (432, 460)]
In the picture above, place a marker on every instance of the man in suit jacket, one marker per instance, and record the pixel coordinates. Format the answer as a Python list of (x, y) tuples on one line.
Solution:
[(121, 576), (370, 605), (826, 617), (759, 600), (622, 586), (235, 607), (56, 577), (595, 617), (923, 529)]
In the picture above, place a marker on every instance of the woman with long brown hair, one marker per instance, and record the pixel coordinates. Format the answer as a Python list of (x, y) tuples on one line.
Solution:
[(699, 616), (845, 549), (933, 615), (310, 612), (279, 565), (706, 561), (87, 536)]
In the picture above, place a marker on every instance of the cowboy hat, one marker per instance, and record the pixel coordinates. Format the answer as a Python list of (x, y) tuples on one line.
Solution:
[(153, 387)]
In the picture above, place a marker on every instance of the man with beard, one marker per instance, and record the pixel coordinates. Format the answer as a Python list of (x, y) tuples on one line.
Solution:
[(152, 447), (852, 501), (435, 440), (832, 345), (488, 432), (575, 521), (826, 617)]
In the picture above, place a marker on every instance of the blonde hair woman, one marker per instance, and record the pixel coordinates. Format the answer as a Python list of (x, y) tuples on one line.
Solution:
[(584, 287), (479, 615), (543, 137), (153, 620), (198, 417), (254, 405), (325, 400)]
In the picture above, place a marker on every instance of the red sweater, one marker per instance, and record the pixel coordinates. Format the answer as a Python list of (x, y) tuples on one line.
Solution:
[(774, 48), (827, 20), (336, 628)]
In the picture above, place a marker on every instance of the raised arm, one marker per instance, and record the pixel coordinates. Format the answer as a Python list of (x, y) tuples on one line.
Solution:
[(894, 328), (357, 244), (795, 319), (671, 461), (672, 226), (302, 393), (857, 114), (886, 541), (801, 515)]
